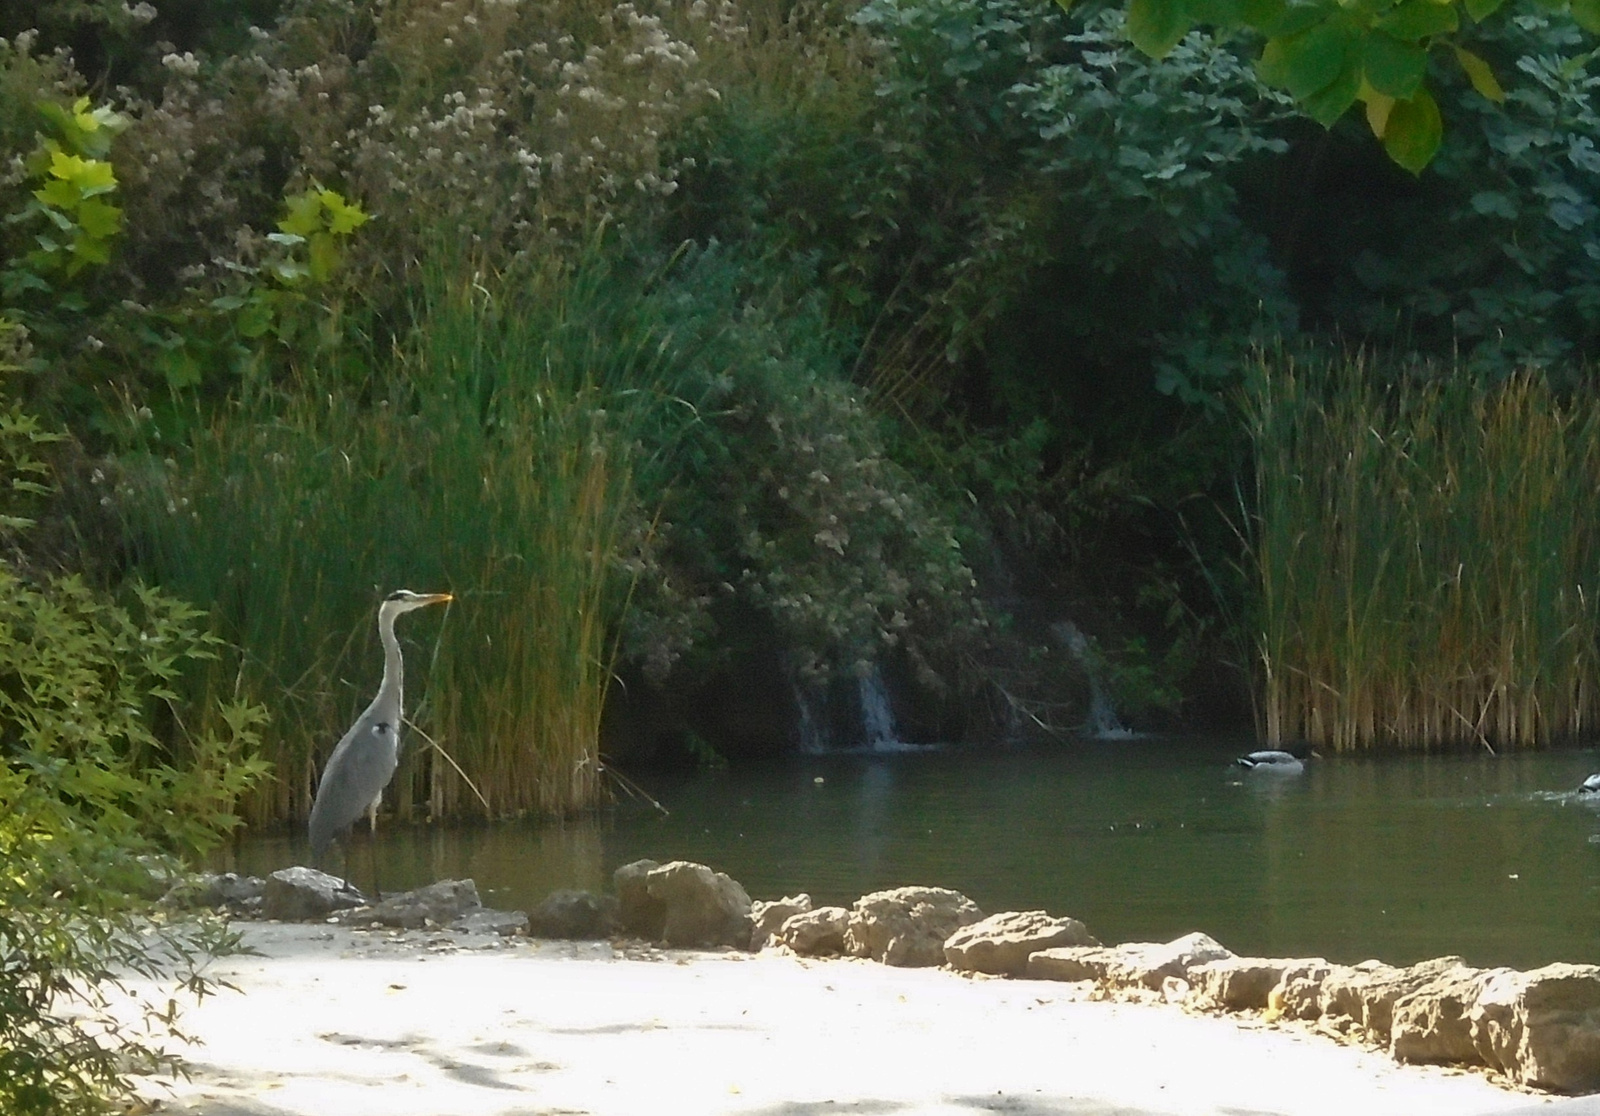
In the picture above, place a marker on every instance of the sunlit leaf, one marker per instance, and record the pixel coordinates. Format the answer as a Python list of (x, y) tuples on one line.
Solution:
[(61, 195), (99, 219), (303, 214), (343, 217), (1479, 73), (1413, 132), (1379, 105), (87, 250), (1481, 10), (324, 256)]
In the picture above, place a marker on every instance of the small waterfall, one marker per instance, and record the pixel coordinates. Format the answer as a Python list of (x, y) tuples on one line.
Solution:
[(827, 720), (1102, 722), (813, 729), (877, 719)]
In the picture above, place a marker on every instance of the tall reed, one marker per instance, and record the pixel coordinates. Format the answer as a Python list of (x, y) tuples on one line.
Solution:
[(492, 456), (1425, 557)]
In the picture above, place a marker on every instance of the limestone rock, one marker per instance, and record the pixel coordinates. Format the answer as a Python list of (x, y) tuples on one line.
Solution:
[(300, 894), (638, 912), (701, 907), (1149, 963), (575, 915), (507, 924), (907, 926), (1002, 942), (1071, 963), (1541, 1028), (1432, 1023), (766, 919), (438, 904), (1298, 993), (816, 932), (1365, 993), (1131, 965), (1236, 983)]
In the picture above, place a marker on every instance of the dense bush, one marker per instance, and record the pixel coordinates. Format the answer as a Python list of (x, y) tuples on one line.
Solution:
[(970, 279), (98, 799)]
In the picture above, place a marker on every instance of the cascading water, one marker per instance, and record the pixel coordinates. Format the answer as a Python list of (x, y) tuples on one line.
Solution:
[(877, 719), (877, 716), (819, 709), (813, 729), (1102, 722), (811, 711)]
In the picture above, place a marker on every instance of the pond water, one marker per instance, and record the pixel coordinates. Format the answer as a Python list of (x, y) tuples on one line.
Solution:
[(1402, 857)]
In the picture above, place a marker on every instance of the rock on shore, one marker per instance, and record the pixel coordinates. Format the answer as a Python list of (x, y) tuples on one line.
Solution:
[(1541, 1029)]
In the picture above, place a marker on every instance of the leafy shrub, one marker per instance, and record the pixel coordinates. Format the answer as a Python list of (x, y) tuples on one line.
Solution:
[(782, 497), (96, 794)]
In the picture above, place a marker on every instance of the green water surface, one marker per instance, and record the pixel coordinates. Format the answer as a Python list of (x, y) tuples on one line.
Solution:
[(1401, 858)]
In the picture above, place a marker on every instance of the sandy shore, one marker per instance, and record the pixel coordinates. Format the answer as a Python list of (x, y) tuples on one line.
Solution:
[(337, 1021)]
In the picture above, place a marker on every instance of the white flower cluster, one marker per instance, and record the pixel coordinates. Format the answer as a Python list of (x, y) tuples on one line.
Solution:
[(186, 63)]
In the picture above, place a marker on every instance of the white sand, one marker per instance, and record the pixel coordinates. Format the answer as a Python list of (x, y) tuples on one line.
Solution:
[(372, 1023)]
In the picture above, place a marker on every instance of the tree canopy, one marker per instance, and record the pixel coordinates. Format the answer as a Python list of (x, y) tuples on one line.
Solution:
[(1331, 54)]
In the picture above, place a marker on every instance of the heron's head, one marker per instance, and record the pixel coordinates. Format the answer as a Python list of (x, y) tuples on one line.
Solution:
[(404, 600)]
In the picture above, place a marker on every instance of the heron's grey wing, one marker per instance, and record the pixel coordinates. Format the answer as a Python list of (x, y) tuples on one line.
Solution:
[(361, 766)]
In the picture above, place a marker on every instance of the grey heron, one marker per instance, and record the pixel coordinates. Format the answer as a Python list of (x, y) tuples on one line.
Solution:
[(365, 758), (1283, 763)]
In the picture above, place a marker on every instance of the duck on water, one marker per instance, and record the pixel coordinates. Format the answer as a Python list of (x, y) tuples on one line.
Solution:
[(1281, 763), (1287, 763)]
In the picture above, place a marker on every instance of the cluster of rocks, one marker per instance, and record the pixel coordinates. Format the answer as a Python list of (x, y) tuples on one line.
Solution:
[(306, 895), (1539, 1028)]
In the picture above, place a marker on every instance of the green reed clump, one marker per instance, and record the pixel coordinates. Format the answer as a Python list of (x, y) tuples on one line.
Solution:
[(1425, 558), (491, 455)]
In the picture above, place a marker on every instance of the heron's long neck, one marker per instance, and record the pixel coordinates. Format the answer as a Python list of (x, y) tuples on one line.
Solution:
[(389, 691)]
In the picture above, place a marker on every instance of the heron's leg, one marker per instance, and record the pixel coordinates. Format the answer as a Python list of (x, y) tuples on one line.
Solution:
[(372, 846)]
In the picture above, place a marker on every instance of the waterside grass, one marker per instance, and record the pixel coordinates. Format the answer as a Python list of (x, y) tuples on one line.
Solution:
[(491, 456), (1425, 557)]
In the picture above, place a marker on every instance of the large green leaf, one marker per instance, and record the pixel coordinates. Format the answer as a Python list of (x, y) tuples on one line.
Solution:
[(1260, 14), (1393, 67), (1481, 10), (1315, 58), (1217, 13), (1414, 20), (1331, 102), (1413, 131), (1587, 14), (99, 219), (1291, 19), (1155, 26)]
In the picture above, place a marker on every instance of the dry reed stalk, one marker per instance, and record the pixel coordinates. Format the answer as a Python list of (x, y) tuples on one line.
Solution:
[(1422, 556)]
